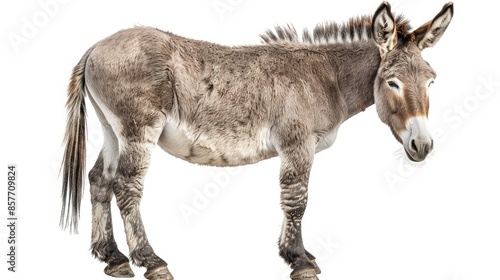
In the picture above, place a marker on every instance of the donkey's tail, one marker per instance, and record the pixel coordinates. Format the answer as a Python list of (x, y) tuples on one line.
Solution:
[(73, 164)]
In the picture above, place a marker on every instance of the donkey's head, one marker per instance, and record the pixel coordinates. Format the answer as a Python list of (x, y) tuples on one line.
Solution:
[(404, 77)]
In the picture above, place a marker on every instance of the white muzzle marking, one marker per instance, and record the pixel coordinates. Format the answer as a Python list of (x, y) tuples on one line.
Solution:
[(417, 140)]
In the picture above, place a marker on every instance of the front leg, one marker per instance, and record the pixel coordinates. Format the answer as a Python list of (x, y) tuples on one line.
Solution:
[(297, 153)]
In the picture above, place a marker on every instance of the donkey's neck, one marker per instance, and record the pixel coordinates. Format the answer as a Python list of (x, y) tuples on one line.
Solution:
[(351, 50), (356, 67)]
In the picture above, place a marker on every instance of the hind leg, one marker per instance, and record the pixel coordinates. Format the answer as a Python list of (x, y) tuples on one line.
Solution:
[(103, 245), (134, 159)]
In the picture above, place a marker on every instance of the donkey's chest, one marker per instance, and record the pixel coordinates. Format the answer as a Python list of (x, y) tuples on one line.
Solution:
[(216, 147)]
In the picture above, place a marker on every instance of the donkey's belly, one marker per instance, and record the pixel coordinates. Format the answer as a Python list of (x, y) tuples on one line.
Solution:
[(210, 148)]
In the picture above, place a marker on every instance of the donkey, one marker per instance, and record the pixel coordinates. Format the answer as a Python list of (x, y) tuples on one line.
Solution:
[(228, 106)]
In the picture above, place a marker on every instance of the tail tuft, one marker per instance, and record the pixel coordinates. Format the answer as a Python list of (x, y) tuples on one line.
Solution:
[(73, 164)]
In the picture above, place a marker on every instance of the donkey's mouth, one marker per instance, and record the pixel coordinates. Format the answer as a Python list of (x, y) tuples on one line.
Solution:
[(416, 157), (411, 158)]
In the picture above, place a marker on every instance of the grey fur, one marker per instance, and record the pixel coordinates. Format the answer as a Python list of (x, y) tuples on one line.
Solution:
[(227, 106)]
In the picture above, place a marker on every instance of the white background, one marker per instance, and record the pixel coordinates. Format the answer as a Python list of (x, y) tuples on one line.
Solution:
[(371, 215)]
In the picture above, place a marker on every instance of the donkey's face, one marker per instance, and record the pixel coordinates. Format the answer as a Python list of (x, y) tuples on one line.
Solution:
[(404, 77)]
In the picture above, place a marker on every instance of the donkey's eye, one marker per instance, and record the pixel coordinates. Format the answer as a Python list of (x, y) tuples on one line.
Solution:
[(393, 85)]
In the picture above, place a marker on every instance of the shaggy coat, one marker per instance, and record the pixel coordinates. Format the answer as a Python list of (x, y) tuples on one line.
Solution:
[(227, 106)]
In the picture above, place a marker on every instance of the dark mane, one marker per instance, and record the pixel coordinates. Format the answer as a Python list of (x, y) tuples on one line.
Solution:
[(354, 30)]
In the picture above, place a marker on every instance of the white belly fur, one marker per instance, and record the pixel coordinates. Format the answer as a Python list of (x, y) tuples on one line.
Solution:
[(179, 141)]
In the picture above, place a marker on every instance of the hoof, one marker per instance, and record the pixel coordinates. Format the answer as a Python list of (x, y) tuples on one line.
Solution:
[(122, 270), (316, 267), (159, 273), (306, 274)]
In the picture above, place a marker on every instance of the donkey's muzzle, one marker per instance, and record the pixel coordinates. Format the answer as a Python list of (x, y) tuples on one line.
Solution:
[(417, 140), (418, 149)]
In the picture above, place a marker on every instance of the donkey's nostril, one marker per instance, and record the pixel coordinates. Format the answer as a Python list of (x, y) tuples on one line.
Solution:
[(413, 145)]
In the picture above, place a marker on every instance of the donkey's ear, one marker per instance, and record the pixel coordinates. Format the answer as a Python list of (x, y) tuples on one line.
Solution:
[(429, 34), (384, 29)]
